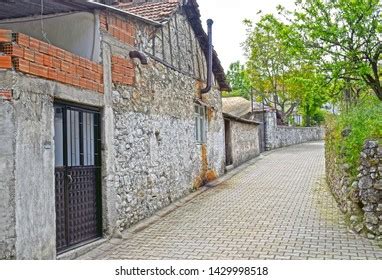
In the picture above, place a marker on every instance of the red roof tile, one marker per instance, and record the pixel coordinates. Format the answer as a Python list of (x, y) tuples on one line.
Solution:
[(161, 11), (157, 11)]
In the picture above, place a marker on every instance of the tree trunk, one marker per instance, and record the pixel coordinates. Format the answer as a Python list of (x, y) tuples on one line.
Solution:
[(378, 92), (374, 82)]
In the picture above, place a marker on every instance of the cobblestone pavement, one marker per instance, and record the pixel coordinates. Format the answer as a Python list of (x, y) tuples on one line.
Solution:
[(276, 208)]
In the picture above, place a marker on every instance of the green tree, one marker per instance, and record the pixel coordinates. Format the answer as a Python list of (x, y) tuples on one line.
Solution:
[(239, 80), (311, 92), (268, 62), (279, 73), (344, 37)]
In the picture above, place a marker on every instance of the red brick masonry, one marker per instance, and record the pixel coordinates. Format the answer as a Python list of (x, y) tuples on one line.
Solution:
[(122, 70), (5, 94), (34, 57), (119, 28)]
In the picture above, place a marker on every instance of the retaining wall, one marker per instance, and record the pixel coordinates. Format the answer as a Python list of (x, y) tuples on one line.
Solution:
[(360, 197), (282, 136)]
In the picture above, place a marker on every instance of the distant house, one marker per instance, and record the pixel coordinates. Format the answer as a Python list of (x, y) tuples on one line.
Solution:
[(106, 116), (243, 132), (270, 134)]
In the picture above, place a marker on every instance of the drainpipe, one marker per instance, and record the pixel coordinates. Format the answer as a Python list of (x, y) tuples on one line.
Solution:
[(209, 58)]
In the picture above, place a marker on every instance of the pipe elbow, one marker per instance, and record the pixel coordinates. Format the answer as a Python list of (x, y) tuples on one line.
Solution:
[(136, 54), (206, 89)]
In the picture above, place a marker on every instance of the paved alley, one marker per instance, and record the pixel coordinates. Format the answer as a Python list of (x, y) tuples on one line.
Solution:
[(278, 207)]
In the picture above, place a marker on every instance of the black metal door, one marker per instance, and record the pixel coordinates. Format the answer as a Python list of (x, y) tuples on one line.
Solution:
[(78, 176)]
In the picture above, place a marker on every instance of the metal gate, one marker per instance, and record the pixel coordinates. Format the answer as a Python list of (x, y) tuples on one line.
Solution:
[(77, 175)]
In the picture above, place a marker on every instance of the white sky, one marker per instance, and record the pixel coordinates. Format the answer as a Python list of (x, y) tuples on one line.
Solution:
[(228, 29)]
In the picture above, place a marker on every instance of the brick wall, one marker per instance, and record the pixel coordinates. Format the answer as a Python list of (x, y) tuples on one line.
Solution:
[(123, 30), (31, 56), (122, 70), (5, 94)]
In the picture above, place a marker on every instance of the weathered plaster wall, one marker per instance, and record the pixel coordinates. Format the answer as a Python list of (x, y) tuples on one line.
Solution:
[(359, 197), (31, 174), (156, 158), (282, 136), (245, 142), (35, 212), (7, 175)]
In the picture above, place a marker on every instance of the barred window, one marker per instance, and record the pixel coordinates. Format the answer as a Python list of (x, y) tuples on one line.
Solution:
[(200, 124)]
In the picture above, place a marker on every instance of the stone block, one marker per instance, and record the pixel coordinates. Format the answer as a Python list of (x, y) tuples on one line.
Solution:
[(378, 185), (371, 218), (379, 207), (365, 182)]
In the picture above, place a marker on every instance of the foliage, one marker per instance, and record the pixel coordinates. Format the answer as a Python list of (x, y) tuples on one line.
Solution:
[(268, 63), (323, 51), (310, 89), (361, 123), (279, 73), (239, 80), (343, 37)]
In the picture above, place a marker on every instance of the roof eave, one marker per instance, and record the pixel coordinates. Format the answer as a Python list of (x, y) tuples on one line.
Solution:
[(193, 15), (124, 13), (238, 119)]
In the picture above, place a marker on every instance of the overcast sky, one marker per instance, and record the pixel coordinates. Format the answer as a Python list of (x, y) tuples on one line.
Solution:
[(228, 16)]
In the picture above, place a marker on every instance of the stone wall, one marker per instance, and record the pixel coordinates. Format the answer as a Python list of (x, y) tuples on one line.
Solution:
[(176, 45), (359, 197), (150, 157), (154, 155), (282, 136), (245, 142)]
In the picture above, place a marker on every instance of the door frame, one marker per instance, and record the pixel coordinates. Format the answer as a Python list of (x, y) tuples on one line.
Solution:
[(97, 162)]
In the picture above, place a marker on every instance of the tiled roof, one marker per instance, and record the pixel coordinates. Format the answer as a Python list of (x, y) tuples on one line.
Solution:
[(236, 106), (157, 11), (161, 11)]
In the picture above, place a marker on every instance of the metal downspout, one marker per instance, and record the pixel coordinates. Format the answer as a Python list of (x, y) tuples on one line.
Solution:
[(209, 58)]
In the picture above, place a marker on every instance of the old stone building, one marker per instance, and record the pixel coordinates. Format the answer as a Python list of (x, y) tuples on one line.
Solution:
[(271, 135), (102, 118), (243, 134)]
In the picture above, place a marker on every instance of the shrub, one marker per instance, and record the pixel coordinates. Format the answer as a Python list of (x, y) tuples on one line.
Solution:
[(347, 133)]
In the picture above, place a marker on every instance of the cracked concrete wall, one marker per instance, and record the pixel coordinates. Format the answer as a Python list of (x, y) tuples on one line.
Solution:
[(35, 212), (7, 175)]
